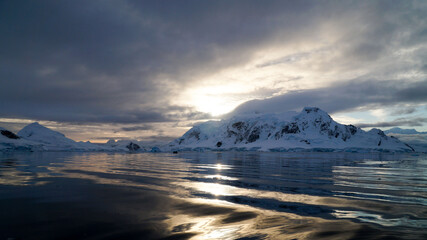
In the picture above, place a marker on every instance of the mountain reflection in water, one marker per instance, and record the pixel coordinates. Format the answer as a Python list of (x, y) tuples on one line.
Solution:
[(213, 195)]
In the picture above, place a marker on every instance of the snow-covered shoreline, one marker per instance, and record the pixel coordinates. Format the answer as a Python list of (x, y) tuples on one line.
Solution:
[(311, 130), (37, 138)]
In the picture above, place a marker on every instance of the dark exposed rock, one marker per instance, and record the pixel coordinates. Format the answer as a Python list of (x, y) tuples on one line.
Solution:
[(345, 137), (219, 144), (381, 133), (325, 126), (254, 135), (379, 143), (311, 109), (195, 134), (292, 128), (175, 152), (337, 132), (238, 125), (155, 150), (9, 134), (304, 125), (352, 129), (413, 150), (133, 146), (278, 135), (239, 130), (306, 141), (230, 132)]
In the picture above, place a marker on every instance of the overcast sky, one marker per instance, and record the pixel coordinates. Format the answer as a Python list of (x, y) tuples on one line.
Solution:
[(150, 69)]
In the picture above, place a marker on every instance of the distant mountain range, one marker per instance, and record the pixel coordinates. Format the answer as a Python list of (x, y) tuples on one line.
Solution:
[(403, 131), (35, 137)]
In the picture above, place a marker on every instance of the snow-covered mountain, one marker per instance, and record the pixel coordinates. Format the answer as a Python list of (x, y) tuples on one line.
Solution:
[(35, 137), (310, 130), (12, 142), (53, 140)]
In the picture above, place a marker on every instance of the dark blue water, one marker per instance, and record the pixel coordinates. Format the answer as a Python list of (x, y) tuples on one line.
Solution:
[(227, 195)]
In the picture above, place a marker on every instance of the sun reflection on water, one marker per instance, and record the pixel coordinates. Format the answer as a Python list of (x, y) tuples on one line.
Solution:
[(222, 233), (220, 177), (222, 199)]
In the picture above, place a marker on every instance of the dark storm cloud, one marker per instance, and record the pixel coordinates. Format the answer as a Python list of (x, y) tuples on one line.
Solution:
[(404, 111), (414, 122), (100, 61), (346, 96), (137, 128), (124, 61)]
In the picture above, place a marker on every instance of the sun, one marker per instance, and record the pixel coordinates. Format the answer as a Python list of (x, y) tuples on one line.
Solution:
[(214, 105), (215, 100)]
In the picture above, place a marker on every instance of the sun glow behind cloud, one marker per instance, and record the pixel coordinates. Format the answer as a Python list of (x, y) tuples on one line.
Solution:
[(215, 100), (272, 70)]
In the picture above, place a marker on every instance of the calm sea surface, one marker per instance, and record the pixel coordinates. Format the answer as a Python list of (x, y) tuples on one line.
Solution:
[(211, 195)]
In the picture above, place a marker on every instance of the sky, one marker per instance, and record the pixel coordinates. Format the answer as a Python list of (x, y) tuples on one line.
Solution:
[(149, 70)]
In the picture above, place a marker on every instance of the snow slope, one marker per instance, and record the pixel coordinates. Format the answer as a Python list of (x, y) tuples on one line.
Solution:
[(11, 142), (54, 141), (310, 130), (36, 137)]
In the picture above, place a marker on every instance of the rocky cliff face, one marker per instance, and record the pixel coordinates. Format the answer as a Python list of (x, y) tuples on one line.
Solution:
[(8, 134), (312, 128), (9, 141)]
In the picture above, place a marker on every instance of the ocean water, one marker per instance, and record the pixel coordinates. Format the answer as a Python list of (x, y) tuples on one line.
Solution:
[(213, 195)]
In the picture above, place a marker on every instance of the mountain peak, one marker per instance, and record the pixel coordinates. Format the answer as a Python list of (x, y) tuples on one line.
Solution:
[(36, 131), (310, 109), (313, 114), (314, 111), (34, 126)]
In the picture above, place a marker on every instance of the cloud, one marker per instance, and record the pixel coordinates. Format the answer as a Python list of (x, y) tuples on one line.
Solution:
[(404, 111), (137, 128), (120, 60), (351, 95), (287, 59), (411, 122)]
